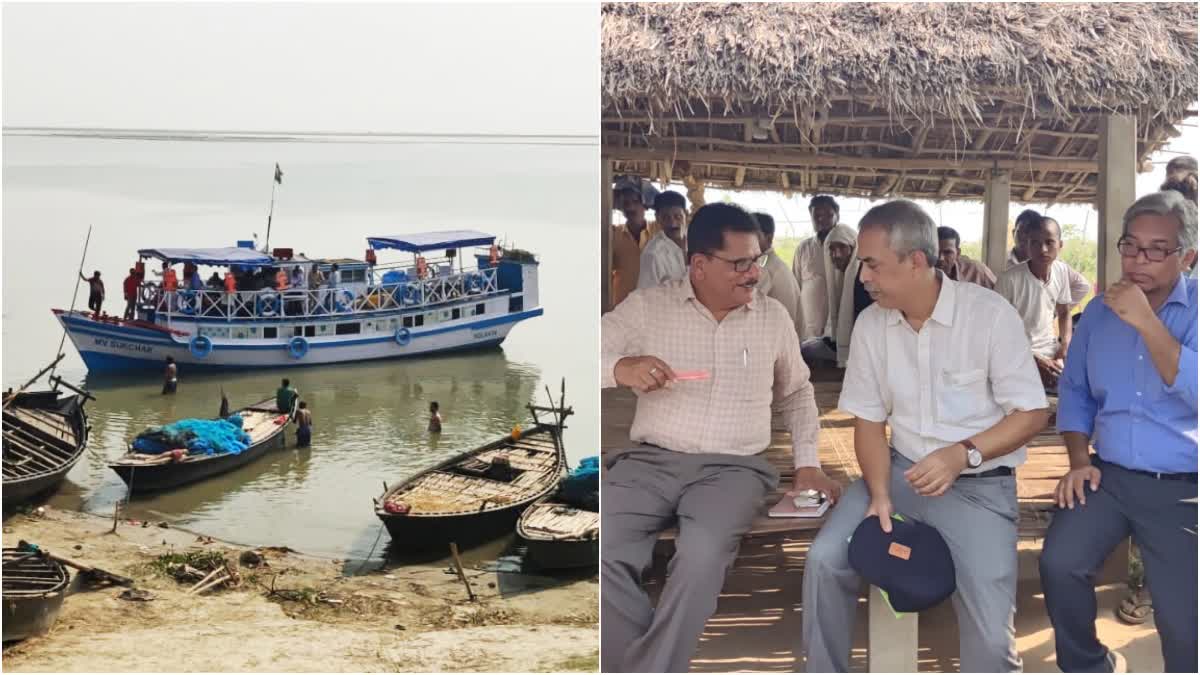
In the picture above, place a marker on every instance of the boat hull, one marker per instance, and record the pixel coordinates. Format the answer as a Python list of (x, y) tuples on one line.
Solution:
[(34, 589), (22, 489), (558, 555), (417, 534), (111, 347), (27, 616), (144, 478)]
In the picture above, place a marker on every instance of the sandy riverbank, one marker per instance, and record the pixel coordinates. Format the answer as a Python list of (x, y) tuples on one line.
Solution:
[(412, 618)]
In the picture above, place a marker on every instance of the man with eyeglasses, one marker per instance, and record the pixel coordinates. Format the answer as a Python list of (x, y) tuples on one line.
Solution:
[(1130, 388), (1040, 291), (710, 358)]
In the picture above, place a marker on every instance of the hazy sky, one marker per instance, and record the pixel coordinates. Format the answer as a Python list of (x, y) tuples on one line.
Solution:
[(303, 67)]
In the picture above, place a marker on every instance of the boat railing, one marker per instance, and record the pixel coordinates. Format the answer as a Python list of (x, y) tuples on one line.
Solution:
[(322, 302)]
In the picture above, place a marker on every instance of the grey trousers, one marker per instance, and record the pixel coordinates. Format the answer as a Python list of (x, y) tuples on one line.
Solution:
[(1081, 539), (978, 519), (714, 498)]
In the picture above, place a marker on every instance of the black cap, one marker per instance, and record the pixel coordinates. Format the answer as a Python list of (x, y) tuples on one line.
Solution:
[(912, 563)]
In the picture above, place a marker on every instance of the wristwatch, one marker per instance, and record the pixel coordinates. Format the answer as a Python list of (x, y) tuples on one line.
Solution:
[(974, 456)]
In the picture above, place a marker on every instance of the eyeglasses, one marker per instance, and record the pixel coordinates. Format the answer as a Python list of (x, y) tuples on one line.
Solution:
[(1130, 249), (742, 264)]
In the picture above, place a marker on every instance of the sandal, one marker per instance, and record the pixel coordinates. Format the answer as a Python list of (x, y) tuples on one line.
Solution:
[(1136, 608)]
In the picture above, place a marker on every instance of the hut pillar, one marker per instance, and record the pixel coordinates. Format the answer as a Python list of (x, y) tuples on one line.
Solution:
[(606, 209), (1115, 192), (995, 220)]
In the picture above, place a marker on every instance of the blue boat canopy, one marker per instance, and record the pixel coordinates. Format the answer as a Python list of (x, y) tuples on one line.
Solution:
[(209, 256), (430, 241)]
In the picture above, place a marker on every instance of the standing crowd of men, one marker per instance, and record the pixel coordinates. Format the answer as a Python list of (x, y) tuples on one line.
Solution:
[(955, 361)]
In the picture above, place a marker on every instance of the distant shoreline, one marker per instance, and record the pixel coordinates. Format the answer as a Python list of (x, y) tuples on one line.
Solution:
[(246, 136)]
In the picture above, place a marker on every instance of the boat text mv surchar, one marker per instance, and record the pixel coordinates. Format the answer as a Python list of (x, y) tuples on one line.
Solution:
[(280, 309)]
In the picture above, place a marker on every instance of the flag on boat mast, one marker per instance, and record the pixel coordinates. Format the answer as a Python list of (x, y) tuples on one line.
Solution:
[(271, 210)]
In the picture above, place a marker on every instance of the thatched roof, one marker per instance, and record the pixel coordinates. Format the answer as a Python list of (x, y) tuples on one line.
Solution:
[(905, 99)]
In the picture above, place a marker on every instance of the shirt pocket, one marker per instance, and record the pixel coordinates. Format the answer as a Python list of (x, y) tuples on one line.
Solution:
[(962, 396)]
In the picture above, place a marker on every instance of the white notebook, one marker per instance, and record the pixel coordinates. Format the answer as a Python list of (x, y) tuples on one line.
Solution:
[(802, 504)]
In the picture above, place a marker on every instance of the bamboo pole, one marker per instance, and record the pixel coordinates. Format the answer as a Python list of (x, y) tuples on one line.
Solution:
[(458, 566)]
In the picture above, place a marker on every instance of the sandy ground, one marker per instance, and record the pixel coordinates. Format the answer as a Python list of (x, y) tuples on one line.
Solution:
[(412, 618)]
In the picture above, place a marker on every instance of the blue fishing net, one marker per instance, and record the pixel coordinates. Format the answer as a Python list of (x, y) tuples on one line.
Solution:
[(204, 437), (582, 486)]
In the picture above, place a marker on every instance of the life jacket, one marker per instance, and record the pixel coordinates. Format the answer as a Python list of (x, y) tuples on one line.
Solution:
[(170, 281), (422, 268), (281, 280), (230, 283), (494, 254)]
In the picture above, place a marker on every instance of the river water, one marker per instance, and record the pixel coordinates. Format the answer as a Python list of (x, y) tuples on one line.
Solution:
[(370, 418)]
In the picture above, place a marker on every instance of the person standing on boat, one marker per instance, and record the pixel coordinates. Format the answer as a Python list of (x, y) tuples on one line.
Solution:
[(170, 376), (195, 281), (285, 397), (435, 419), (697, 454), (297, 277), (130, 286), (303, 418), (95, 292)]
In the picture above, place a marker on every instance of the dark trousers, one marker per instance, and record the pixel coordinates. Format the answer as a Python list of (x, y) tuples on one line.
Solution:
[(1079, 541), (95, 302), (303, 436), (130, 308), (169, 386)]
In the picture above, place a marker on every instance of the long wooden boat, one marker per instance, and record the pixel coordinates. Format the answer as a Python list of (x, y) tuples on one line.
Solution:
[(558, 535), (152, 472), (45, 434), (477, 495), (33, 590)]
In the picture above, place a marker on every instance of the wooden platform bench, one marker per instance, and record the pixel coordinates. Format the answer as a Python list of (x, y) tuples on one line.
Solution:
[(892, 639)]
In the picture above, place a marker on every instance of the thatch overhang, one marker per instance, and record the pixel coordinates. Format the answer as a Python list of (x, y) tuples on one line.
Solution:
[(879, 100)]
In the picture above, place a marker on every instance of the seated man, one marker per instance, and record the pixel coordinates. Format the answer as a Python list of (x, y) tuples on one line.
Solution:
[(777, 280), (958, 266), (1041, 293), (1080, 286), (662, 258), (696, 458), (847, 298), (1130, 387), (947, 367)]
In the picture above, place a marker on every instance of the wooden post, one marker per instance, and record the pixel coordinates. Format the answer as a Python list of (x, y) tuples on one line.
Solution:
[(1115, 190), (458, 567), (891, 641), (995, 220), (606, 260)]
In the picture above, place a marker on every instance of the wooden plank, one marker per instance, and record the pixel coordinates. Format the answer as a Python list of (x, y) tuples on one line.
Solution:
[(891, 639)]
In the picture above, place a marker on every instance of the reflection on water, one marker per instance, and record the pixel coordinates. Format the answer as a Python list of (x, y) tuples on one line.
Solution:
[(369, 427)]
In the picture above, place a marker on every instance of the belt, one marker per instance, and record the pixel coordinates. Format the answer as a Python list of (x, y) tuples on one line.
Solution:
[(990, 473), (1156, 475)]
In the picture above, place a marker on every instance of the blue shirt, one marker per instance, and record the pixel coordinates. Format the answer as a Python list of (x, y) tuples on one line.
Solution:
[(196, 283), (1111, 391)]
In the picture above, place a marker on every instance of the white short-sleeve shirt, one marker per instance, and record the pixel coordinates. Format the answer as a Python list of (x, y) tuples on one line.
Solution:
[(967, 369), (1035, 302), (661, 261)]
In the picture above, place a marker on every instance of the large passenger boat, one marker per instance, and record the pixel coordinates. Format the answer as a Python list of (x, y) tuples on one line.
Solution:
[(277, 309)]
